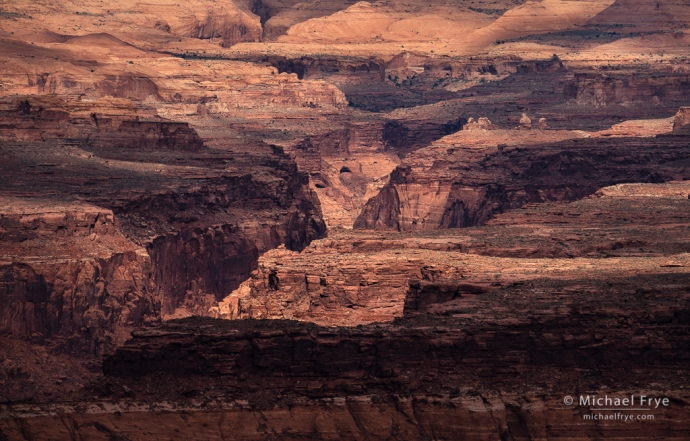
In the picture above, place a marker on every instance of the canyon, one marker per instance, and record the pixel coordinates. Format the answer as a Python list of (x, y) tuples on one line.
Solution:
[(281, 220)]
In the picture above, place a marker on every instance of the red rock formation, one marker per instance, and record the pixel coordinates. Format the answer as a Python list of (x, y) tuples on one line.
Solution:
[(628, 88), (472, 417), (455, 184), (149, 240), (682, 120), (219, 25), (154, 156), (408, 379), (359, 277), (482, 123), (150, 135), (70, 278), (480, 314), (396, 358)]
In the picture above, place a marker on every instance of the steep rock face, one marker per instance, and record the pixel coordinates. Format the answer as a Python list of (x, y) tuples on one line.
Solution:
[(325, 285), (356, 418), (410, 135), (229, 26), (565, 327), (337, 69), (407, 380), (80, 307), (681, 122), (71, 278), (40, 117), (149, 239), (350, 165), (195, 268), (196, 200), (604, 90), (196, 264), (356, 277), (459, 182), (346, 167), (383, 357), (150, 135)]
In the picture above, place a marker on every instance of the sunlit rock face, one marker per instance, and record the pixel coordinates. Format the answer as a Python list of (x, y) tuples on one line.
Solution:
[(129, 239), (342, 220), (681, 123), (465, 179)]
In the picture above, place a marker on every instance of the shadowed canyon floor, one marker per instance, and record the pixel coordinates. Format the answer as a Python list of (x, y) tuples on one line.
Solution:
[(393, 220)]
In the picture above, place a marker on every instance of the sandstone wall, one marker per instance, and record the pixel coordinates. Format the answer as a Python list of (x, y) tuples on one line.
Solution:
[(332, 382), (681, 122), (615, 89), (461, 186), (70, 277), (128, 236)]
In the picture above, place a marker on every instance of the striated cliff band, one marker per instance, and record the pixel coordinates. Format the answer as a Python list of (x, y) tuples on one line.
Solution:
[(343, 220)]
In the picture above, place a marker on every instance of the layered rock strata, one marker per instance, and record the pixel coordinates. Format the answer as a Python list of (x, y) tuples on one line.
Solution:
[(466, 179), (416, 378), (70, 277), (681, 122), (356, 277), (152, 153), (587, 298), (122, 235), (611, 89)]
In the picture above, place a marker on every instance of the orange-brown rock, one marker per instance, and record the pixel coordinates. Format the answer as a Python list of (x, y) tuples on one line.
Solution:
[(525, 122), (482, 123), (681, 122), (466, 178), (165, 160), (150, 135), (358, 277), (70, 277), (410, 379), (627, 88), (358, 418), (128, 235), (198, 19), (564, 296)]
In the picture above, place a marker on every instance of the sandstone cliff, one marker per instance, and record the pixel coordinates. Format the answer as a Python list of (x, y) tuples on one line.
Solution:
[(132, 238), (358, 277), (160, 161), (465, 180), (682, 120)]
